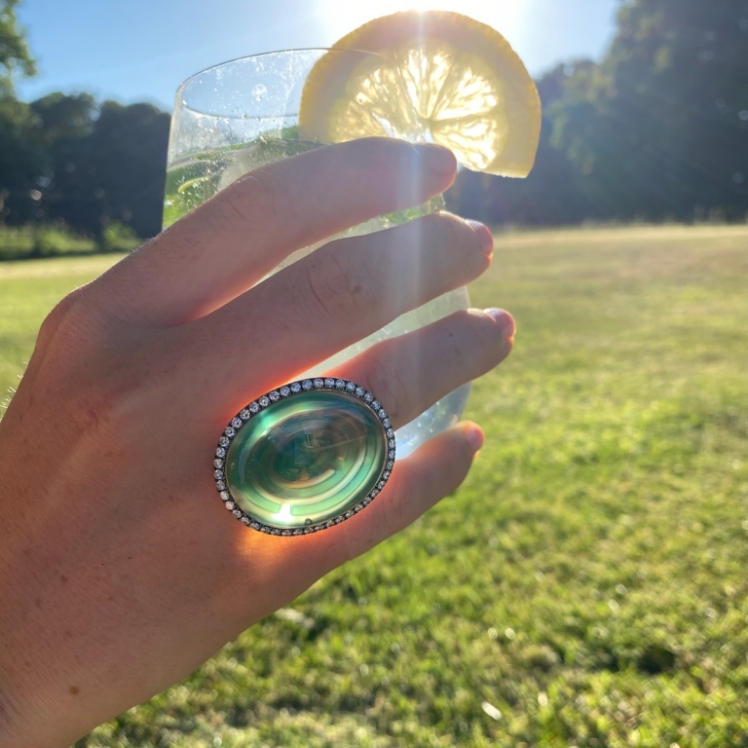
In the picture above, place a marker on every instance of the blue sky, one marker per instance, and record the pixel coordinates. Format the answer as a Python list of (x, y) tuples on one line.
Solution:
[(141, 50)]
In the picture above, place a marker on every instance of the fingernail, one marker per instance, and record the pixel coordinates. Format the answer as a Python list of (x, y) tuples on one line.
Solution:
[(438, 159), (474, 438), (484, 234), (504, 320)]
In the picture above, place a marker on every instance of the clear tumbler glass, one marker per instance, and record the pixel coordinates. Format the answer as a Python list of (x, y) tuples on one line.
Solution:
[(234, 117), (307, 460)]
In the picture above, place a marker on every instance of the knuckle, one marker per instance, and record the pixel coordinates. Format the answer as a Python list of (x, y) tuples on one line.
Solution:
[(244, 199), (389, 384), (333, 287), (259, 194), (61, 320)]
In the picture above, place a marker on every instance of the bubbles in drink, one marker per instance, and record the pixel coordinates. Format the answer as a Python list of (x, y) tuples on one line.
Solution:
[(259, 92), (194, 179)]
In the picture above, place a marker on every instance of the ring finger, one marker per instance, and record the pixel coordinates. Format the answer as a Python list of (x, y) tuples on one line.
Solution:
[(409, 373)]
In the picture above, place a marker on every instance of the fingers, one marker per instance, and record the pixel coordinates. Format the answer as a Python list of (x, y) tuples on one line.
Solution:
[(339, 294), (234, 239), (408, 374), (417, 483)]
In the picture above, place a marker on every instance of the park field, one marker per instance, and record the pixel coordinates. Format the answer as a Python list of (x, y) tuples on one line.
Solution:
[(587, 586)]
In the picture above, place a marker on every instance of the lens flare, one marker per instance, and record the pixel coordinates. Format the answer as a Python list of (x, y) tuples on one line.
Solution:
[(342, 16)]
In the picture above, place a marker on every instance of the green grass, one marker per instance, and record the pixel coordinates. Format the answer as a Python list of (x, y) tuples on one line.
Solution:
[(56, 239), (588, 582)]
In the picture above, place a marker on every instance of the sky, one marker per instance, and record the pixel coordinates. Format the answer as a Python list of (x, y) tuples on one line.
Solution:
[(141, 50)]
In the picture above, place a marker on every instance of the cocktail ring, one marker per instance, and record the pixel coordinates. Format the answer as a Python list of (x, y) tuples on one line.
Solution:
[(304, 457)]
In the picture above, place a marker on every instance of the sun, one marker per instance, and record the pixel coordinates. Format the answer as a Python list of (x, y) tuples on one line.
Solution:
[(342, 16)]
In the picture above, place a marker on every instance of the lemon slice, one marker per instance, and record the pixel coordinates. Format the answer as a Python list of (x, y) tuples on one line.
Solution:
[(434, 76)]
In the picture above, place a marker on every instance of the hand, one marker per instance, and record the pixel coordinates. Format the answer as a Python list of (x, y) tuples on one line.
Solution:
[(120, 570)]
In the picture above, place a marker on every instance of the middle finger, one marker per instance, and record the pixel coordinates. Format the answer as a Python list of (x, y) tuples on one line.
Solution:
[(330, 299)]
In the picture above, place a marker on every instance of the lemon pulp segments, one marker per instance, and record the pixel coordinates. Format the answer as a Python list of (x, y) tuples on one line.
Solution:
[(434, 77)]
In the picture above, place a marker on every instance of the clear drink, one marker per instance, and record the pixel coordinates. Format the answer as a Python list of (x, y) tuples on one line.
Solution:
[(241, 115)]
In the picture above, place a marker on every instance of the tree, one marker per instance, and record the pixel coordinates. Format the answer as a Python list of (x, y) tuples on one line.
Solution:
[(660, 128), (36, 141), (62, 124), (14, 54), (21, 162), (128, 146), (19, 158), (60, 117), (549, 195), (63, 157), (104, 164)]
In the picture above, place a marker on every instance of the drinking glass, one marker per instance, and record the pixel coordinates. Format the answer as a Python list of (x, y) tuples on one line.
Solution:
[(242, 114)]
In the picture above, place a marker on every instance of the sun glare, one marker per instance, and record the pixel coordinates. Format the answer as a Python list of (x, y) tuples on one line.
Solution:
[(342, 16)]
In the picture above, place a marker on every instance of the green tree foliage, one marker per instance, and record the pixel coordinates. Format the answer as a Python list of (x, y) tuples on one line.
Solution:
[(86, 165), (128, 148), (60, 117), (63, 157), (103, 164), (661, 126), (549, 195), (14, 54), (32, 136), (658, 129), (19, 158)]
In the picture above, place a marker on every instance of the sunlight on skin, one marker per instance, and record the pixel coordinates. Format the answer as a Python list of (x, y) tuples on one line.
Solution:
[(342, 16)]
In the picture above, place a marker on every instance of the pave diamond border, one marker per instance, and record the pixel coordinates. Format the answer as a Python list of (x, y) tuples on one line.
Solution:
[(266, 401)]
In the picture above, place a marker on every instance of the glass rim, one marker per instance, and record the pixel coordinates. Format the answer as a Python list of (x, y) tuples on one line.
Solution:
[(255, 56)]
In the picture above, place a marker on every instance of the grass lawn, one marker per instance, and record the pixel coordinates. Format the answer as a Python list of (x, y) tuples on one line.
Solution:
[(585, 587)]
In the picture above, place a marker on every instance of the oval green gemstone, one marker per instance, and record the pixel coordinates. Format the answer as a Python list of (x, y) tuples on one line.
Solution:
[(306, 459)]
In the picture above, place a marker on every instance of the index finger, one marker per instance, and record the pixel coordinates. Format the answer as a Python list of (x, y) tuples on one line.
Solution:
[(223, 247)]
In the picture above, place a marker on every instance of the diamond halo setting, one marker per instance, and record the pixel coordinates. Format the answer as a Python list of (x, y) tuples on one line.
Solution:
[(267, 401)]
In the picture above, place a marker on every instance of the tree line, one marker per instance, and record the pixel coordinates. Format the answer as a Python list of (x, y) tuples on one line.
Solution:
[(657, 130)]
